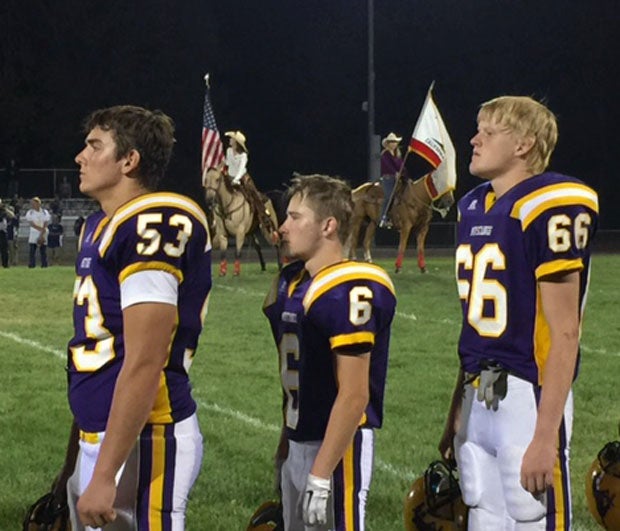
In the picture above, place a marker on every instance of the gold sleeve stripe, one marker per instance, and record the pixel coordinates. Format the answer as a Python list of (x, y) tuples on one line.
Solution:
[(333, 276), (528, 208), (150, 266), (556, 266), (160, 199), (351, 339)]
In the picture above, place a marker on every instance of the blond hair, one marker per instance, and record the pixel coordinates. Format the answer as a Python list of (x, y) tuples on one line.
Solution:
[(525, 117)]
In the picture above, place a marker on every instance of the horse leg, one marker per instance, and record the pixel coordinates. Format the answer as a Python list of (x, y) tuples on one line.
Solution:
[(259, 252), (223, 244), (239, 240), (350, 249), (223, 264), (420, 240), (405, 230), (368, 237)]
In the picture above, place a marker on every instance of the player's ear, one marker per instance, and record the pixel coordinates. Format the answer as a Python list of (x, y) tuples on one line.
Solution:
[(525, 144), (132, 161), (330, 225)]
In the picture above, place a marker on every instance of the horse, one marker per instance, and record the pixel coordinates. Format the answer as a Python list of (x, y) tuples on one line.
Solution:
[(234, 216), (412, 210)]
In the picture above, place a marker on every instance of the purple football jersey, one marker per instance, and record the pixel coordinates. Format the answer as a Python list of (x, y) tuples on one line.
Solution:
[(543, 225), (154, 232), (347, 307)]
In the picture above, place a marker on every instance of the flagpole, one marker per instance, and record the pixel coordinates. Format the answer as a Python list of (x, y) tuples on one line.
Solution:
[(402, 165), (374, 151), (428, 92)]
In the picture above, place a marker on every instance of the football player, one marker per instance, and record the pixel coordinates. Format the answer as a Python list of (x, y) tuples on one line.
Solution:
[(331, 321), (140, 296), (522, 267)]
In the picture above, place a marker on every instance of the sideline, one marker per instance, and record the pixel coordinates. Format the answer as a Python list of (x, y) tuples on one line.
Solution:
[(212, 406)]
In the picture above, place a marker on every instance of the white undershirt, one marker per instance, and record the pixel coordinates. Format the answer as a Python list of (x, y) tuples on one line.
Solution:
[(149, 286)]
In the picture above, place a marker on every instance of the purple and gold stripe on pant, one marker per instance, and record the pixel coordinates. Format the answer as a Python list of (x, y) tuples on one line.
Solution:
[(157, 474), (559, 508), (351, 481)]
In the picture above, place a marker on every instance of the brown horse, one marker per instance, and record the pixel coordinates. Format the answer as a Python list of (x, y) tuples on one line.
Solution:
[(234, 216), (412, 210)]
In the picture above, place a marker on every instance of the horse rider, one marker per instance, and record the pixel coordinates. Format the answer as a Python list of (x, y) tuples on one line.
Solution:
[(391, 166), (236, 169)]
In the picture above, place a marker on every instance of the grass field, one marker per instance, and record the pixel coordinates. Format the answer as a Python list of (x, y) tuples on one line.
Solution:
[(236, 385)]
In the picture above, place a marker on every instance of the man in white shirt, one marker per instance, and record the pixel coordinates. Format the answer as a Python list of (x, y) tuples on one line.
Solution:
[(38, 219)]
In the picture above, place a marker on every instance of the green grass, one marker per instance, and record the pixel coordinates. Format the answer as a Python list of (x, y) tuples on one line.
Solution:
[(236, 384)]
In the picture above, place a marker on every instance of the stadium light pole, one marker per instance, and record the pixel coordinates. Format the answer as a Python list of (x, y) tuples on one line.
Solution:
[(373, 139)]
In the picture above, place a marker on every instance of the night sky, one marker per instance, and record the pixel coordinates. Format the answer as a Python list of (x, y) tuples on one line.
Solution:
[(292, 76)]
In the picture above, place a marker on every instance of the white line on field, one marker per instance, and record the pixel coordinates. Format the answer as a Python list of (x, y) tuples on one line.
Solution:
[(598, 350), (240, 290), (34, 344), (238, 415), (257, 423)]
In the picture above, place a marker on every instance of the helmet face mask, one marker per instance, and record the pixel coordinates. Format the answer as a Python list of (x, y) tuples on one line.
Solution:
[(603, 486), (434, 501)]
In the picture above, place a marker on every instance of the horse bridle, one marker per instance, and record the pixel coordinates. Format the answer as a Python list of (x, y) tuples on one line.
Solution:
[(224, 208)]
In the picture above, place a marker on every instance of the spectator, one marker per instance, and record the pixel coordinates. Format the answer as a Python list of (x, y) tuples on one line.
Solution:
[(56, 207), (65, 188), (12, 232), (6, 215), (77, 229), (38, 218), (54, 239)]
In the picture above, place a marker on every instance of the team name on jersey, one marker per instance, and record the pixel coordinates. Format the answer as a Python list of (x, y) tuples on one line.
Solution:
[(481, 230), (289, 317)]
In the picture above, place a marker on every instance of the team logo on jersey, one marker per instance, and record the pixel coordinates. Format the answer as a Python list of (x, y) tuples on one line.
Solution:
[(481, 230), (85, 263), (473, 205)]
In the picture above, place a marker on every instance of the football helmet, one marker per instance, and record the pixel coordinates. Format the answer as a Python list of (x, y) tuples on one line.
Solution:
[(268, 517), (603, 486), (434, 502)]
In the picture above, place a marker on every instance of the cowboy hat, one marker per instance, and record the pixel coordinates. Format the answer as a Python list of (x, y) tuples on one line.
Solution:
[(391, 138), (239, 138)]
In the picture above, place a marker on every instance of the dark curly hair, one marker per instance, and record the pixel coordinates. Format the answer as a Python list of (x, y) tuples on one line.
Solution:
[(150, 133)]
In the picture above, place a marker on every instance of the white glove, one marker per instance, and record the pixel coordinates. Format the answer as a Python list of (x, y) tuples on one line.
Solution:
[(315, 500)]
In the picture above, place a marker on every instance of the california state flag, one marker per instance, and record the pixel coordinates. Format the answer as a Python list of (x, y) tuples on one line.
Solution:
[(430, 140)]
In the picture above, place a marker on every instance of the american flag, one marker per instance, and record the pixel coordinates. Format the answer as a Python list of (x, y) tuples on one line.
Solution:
[(212, 149)]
